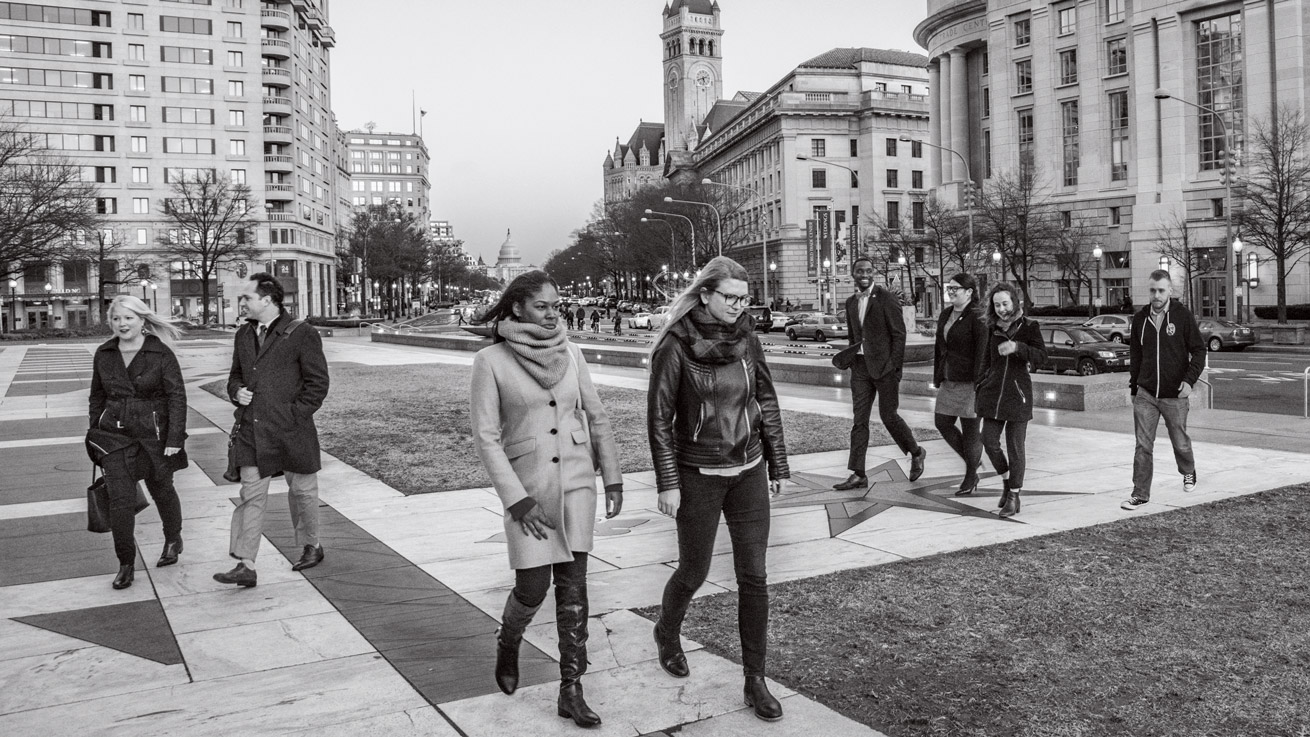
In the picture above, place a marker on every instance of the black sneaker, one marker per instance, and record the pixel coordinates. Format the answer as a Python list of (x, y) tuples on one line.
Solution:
[(1132, 503), (1189, 482)]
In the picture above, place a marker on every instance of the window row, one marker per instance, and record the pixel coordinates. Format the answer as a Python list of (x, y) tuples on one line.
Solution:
[(55, 46), (33, 13), (56, 78), (1116, 63), (1065, 20), (49, 109)]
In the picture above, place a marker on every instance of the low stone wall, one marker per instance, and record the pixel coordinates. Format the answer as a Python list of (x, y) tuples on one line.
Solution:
[(1051, 391)]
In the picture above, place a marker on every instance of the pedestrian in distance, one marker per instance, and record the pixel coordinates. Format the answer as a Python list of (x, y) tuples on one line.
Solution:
[(278, 380), (595, 321), (876, 330), (568, 318), (1167, 356), (137, 392), (541, 433), (1005, 388), (958, 358), (581, 317), (618, 323), (717, 442)]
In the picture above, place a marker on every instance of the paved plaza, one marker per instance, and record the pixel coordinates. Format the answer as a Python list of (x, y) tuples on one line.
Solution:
[(393, 633)]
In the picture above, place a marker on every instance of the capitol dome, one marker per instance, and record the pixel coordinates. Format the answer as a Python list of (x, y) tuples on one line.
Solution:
[(509, 253)]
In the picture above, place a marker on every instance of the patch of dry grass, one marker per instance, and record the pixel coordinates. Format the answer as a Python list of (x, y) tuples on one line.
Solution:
[(409, 426), (1193, 622)]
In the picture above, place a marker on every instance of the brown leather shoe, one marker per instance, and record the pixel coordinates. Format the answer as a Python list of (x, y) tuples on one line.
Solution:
[(856, 481), (312, 556)]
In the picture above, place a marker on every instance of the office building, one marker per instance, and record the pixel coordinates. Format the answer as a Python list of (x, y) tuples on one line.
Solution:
[(389, 168)]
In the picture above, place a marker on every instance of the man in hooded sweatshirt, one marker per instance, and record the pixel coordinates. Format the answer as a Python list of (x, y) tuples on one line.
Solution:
[(1168, 356)]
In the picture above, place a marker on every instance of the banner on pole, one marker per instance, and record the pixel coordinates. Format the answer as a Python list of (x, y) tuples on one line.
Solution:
[(811, 248)]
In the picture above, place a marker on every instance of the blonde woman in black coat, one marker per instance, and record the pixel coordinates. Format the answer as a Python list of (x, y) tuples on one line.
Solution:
[(137, 391), (1005, 391)]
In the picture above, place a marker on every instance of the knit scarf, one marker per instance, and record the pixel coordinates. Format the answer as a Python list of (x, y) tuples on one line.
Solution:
[(709, 340), (542, 352)]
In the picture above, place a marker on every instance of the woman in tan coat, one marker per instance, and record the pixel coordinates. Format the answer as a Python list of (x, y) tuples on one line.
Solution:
[(542, 433)]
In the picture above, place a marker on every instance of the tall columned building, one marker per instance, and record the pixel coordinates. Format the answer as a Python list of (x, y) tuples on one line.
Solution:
[(1072, 84), (142, 93)]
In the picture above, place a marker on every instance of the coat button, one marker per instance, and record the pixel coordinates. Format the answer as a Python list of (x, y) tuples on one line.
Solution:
[(555, 459), (553, 431), (552, 402)]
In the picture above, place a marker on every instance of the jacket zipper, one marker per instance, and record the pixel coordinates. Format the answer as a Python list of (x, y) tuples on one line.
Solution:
[(700, 421), (1005, 374), (1158, 381), (154, 417), (746, 409)]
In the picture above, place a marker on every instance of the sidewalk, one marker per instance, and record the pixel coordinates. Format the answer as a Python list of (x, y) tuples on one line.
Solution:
[(393, 633)]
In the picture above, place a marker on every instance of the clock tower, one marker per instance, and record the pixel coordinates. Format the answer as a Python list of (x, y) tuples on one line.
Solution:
[(693, 67)]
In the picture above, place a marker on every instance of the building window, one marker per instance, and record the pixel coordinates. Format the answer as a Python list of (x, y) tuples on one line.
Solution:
[(236, 117), (106, 206), (236, 88), (236, 59), (140, 175), (1066, 219), (185, 55), (916, 217), (137, 113), (1116, 56), (818, 147), (891, 146), (893, 179), (1022, 32), (142, 236), (1219, 85), (1069, 134), (1114, 216), (188, 85), (1119, 136), (1114, 11), (1023, 76), (136, 82), (987, 154), (855, 147), (1068, 18), (1217, 207), (893, 215), (818, 178), (200, 115), (139, 145), (907, 89), (175, 24), (234, 29), (136, 52), (140, 206), (916, 179), (987, 102), (1069, 66), (916, 150), (1025, 120), (238, 176), (136, 21), (236, 147), (986, 62)]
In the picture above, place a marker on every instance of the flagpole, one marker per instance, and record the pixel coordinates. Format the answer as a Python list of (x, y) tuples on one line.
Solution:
[(413, 112)]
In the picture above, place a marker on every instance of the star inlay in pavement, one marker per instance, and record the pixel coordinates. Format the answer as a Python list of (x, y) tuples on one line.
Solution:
[(888, 487)]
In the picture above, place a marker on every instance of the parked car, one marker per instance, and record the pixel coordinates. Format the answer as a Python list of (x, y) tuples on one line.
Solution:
[(757, 312), (795, 318), (1221, 334), (780, 321), (625, 305), (818, 327), (1083, 350), (658, 317), (1117, 328), (639, 321)]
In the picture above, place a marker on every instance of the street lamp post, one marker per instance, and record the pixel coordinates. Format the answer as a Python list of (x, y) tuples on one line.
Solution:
[(718, 222), (1237, 259), (1000, 270), (1235, 275), (832, 296), (967, 175), (1096, 256), (268, 207), (690, 225), (13, 304), (154, 296), (773, 270), (759, 225), (900, 260)]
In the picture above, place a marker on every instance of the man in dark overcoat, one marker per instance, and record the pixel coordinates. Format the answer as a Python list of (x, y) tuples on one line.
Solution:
[(875, 325), (278, 381)]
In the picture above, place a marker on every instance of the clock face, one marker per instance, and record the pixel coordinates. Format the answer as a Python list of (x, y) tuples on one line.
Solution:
[(703, 80), (673, 79)]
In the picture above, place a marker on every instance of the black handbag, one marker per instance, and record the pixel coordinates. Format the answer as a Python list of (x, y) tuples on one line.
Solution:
[(100, 443), (97, 503)]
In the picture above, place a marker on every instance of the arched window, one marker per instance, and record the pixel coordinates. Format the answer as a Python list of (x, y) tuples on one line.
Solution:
[(711, 48), (692, 48), (702, 47)]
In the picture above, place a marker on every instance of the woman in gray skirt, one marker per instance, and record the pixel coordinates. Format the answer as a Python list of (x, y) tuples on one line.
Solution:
[(957, 366)]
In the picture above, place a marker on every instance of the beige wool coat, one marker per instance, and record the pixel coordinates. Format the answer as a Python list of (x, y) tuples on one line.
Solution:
[(546, 444)]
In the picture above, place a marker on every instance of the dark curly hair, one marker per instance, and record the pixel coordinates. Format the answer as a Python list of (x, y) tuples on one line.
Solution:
[(523, 288)]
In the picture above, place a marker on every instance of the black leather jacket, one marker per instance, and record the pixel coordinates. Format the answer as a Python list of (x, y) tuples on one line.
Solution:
[(712, 415)]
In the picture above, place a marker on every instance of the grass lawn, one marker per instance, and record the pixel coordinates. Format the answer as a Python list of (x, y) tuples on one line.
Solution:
[(409, 426), (1192, 622)]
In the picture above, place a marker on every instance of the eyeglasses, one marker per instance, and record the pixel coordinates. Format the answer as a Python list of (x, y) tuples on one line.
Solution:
[(732, 300), (956, 290)]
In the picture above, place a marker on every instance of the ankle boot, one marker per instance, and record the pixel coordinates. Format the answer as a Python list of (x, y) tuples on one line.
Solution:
[(508, 638), (172, 549), (1011, 507), (756, 694), (124, 577), (672, 659), (571, 623), (1005, 493)]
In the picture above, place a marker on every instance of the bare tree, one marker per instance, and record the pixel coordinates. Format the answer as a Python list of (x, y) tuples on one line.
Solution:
[(43, 199), (213, 224), (1071, 254), (947, 229), (103, 249), (886, 246), (393, 250), (1016, 217), (1177, 241), (1275, 196)]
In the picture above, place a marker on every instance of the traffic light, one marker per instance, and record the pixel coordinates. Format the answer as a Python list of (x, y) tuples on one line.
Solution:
[(1229, 165)]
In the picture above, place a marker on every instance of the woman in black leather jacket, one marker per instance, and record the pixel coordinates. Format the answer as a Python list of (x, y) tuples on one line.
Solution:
[(716, 437), (137, 391)]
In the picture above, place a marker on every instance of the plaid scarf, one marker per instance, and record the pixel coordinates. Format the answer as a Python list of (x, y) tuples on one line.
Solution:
[(709, 340), (542, 353)]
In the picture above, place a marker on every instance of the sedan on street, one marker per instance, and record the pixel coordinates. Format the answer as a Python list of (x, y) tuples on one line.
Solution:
[(817, 327), (1222, 334), (1117, 328)]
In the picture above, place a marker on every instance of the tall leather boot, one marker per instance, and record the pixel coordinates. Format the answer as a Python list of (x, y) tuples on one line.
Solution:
[(571, 622), (1011, 507), (508, 637)]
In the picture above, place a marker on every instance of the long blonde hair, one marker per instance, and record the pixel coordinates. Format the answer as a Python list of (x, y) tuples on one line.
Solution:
[(707, 279), (155, 325)]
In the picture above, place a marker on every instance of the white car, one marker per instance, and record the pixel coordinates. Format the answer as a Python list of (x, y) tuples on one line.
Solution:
[(659, 317), (639, 321), (1118, 328)]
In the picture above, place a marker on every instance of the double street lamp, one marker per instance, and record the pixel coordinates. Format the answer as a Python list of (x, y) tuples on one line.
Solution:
[(718, 222), (690, 226), (968, 177), (1235, 272), (759, 225)]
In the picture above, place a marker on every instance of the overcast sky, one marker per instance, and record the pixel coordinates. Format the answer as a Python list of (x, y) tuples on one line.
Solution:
[(525, 97)]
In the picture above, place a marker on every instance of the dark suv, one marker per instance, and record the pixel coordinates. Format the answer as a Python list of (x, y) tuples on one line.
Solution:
[(1083, 350), (758, 312)]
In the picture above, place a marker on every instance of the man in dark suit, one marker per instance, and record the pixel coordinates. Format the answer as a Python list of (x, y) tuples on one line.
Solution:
[(278, 381), (874, 323)]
